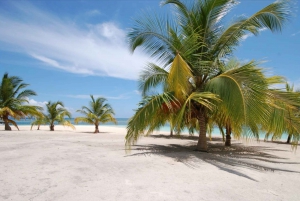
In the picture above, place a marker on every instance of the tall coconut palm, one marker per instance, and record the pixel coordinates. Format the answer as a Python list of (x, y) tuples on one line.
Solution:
[(14, 100), (193, 48), (57, 114), (98, 112)]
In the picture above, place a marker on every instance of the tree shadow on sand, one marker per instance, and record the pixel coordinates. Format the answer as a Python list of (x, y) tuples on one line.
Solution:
[(92, 132), (228, 159)]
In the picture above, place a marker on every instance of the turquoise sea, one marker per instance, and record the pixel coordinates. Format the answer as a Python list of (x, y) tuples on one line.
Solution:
[(122, 122)]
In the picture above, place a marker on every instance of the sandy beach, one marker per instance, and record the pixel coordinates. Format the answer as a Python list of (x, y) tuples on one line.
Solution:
[(67, 164)]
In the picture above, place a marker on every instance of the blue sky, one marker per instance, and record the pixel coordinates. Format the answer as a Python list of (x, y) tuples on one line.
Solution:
[(69, 49)]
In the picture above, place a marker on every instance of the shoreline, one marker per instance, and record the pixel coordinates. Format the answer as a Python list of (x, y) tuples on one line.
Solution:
[(122, 129)]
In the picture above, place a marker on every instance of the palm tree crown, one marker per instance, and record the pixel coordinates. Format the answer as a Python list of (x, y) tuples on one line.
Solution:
[(14, 100), (193, 50), (56, 114)]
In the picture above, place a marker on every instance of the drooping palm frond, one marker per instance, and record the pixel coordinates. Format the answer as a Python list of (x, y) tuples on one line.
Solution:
[(13, 123), (272, 17), (151, 77), (178, 78), (193, 101), (146, 116)]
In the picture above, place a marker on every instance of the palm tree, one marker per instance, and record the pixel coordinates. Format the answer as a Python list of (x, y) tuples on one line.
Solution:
[(193, 51), (98, 112), (38, 121), (14, 100), (57, 114), (286, 117)]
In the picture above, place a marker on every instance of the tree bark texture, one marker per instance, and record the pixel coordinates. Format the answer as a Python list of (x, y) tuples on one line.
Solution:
[(228, 136), (202, 142), (96, 129), (52, 127), (171, 133), (6, 124)]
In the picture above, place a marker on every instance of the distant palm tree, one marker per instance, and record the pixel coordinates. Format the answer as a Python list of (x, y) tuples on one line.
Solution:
[(38, 121), (14, 100), (56, 114), (98, 112)]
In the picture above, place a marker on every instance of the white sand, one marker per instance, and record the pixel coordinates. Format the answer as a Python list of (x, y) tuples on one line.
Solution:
[(79, 165)]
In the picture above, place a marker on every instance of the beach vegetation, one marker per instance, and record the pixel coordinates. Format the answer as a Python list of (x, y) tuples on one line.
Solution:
[(285, 119), (56, 115), (200, 86), (99, 111), (14, 103)]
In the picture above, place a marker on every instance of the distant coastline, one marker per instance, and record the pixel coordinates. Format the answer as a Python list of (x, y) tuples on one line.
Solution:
[(122, 123)]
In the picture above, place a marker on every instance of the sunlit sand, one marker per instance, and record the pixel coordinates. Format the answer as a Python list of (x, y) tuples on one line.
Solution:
[(78, 165)]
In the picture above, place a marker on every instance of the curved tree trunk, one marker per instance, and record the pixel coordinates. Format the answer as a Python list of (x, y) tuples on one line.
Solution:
[(6, 124), (289, 139), (96, 128), (228, 135), (52, 127), (202, 142)]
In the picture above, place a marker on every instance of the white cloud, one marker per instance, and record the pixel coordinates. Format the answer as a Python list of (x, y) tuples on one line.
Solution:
[(250, 34), (37, 103), (97, 49), (294, 34), (43, 105)]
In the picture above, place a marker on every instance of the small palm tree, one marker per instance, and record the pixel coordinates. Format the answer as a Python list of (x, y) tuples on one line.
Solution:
[(98, 112), (13, 99), (57, 114), (38, 121)]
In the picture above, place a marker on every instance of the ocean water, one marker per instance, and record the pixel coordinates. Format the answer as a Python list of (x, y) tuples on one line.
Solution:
[(122, 123)]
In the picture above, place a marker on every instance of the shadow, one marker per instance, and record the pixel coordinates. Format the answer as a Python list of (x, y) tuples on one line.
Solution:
[(94, 133), (184, 137), (228, 159), (281, 142)]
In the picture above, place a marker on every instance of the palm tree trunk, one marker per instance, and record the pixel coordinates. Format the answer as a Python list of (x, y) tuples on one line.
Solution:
[(96, 128), (202, 143), (52, 127), (6, 124), (289, 139), (228, 136), (171, 132), (38, 128)]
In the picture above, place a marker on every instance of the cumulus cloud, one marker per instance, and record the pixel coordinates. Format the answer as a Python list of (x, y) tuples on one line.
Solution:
[(250, 34), (43, 105), (93, 49), (37, 103)]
